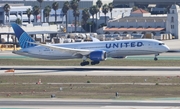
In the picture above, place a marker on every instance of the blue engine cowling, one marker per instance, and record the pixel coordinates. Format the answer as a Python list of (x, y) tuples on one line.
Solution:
[(98, 55)]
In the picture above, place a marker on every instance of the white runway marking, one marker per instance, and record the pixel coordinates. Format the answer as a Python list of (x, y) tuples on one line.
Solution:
[(93, 73), (137, 107)]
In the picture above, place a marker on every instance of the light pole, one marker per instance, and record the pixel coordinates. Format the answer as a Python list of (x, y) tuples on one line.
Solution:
[(90, 28)]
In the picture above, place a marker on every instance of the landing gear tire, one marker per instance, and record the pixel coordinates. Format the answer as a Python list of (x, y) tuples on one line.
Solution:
[(84, 63), (94, 62), (155, 58)]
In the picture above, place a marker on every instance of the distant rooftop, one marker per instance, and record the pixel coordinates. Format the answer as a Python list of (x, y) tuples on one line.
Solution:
[(134, 29), (33, 32), (140, 11), (142, 19), (11, 4)]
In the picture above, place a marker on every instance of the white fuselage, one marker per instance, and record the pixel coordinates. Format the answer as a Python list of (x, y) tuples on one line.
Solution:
[(114, 49)]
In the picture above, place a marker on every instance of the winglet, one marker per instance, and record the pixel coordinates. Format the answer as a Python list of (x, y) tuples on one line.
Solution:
[(22, 36)]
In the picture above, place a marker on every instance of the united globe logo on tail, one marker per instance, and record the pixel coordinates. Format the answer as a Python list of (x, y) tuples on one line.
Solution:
[(25, 41)]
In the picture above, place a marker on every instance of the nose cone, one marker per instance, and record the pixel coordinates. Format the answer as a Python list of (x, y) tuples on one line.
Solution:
[(166, 48)]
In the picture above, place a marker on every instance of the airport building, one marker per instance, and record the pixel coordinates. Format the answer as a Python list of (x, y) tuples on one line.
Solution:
[(14, 13), (152, 26), (19, 7), (131, 3), (173, 21), (20, 12)]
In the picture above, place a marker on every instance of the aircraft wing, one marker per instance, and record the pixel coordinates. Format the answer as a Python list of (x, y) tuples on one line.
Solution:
[(64, 49)]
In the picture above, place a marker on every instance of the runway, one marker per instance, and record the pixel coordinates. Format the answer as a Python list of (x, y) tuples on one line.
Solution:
[(84, 103), (91, 70), (89, 104), (162, 56)]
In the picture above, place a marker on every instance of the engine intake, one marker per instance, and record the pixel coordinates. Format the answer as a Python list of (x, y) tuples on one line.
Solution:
[(98, 55)]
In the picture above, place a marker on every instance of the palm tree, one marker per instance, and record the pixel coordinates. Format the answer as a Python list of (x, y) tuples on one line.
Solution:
[(92, 12), (76, 14), (29, 12), (65, 9), (96, 10), (18, 21), (110, 5), (46, 12), (105, 10), (55, 7), (6, 9), (74, 6), (135, 8), (40, 2), (99, 4), (85, 16), (36, 11)]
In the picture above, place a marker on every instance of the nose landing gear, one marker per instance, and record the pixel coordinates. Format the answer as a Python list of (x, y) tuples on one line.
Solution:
[(155, 58)]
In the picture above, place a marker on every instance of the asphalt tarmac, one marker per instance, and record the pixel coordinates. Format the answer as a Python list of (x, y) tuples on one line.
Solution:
[(94, 71), (85, 104), (88, 104), (91, 70)]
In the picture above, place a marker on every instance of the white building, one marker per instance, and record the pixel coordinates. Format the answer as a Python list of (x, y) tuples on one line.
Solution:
[(14, 13), (117, 13), (20, 12), (173, 21), (139, 22), (142, 22)]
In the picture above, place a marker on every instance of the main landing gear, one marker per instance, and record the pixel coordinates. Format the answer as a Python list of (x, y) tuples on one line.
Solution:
[(87, 62), (155, 58), (94, 62), (84, 61)]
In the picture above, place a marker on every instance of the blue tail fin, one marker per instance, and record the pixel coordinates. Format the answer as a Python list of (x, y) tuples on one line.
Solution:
[(22, 36)]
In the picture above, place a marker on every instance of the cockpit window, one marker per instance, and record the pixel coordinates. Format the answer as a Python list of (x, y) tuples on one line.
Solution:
[(161, 43)]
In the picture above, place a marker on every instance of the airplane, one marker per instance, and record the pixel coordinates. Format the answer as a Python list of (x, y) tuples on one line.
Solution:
[(96, 51)]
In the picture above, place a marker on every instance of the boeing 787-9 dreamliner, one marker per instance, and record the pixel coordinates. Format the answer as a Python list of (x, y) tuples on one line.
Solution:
[(96, 51)]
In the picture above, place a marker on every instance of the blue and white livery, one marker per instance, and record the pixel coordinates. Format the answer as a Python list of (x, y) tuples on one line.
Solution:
[(96, 51)]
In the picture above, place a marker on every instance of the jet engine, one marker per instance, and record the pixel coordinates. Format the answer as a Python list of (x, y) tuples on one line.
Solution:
[(98, 56)]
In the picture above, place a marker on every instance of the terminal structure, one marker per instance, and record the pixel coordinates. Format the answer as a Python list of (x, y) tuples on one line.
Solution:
[(142, 22)]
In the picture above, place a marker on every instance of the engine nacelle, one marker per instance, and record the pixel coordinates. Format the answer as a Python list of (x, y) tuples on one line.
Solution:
[(98, 55)]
